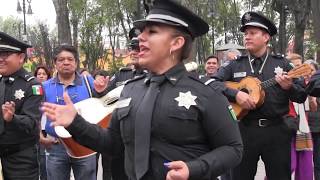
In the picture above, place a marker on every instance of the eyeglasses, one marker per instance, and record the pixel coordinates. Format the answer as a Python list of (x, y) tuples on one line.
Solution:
[(5, 54)]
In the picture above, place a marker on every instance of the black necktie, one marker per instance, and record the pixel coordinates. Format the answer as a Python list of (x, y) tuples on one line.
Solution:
[(143, 126), (257, 65), (2, 91)]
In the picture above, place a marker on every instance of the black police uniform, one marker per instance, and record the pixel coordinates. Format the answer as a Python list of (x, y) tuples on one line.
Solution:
[(204, 135), (122, 76), (263, 131), (18, 141)]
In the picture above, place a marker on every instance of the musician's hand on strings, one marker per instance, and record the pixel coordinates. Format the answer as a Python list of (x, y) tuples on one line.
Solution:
[(60, 115), (178, 170), (245, 101), (8, 109), (284, 81), (101, 83)]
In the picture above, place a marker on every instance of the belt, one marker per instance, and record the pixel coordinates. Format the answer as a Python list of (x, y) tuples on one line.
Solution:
[(6, 150), (262, 122)]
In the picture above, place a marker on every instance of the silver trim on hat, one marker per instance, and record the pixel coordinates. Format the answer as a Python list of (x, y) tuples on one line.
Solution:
[(167, 17), (257, 25), (9, 47)]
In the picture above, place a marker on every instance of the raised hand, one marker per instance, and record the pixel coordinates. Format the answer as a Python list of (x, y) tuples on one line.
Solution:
[(8, 109), (101, 83), (60, 115)]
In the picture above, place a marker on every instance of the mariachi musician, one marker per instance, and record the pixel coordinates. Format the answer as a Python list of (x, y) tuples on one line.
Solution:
[(262, 129)]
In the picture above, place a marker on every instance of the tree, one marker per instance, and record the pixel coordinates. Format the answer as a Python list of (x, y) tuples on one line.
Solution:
[(62, 11), (315, 12), (301, 12)]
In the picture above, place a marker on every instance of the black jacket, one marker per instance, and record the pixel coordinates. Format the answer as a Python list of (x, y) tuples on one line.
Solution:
[(24, 127), (276, 102), (205, 135)]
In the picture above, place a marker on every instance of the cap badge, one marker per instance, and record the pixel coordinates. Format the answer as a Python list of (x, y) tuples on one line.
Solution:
[(278, 70), (19, 94), (247, 17), (186, 99)]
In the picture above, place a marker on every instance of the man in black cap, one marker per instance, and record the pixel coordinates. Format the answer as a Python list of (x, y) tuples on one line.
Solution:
[(20, 97), (128, 73), (263, 131)]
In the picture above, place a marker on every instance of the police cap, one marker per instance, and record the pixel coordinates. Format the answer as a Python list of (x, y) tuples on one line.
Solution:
[(8, 43), (174, 14), (257, 20)]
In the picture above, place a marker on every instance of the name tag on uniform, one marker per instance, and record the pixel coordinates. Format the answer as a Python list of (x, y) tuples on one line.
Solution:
[(239, 74), (123, 103)]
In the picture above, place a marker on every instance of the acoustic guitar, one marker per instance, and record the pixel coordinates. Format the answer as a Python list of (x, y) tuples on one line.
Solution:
[(95, 111), (255, 88)]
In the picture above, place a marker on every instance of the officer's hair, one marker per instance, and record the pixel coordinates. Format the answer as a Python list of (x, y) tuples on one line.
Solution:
[(187, 47), (66, 47)]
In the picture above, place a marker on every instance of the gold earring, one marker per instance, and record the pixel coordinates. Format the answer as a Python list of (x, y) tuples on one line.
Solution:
[(172, 55)]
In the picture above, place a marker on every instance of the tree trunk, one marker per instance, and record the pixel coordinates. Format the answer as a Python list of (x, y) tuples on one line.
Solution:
[(64, 32), (315, 11), (282, 30), (122, 20), (46, 45), (75, 22)]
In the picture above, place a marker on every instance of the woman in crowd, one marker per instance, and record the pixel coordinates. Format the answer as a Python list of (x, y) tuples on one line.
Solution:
[(42, 73)]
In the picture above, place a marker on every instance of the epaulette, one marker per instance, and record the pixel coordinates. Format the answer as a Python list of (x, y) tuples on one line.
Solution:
[(278, 56), (240, 57), (217, 86), (28, 77), (135, 78), (125, 69)]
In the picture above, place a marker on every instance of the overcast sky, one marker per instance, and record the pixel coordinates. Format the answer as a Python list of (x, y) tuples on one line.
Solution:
[(43, 10)]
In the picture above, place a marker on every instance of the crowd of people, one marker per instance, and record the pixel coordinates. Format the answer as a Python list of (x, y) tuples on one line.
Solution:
[(168, 123)]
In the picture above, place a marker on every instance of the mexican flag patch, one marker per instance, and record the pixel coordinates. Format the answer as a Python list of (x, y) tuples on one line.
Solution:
[(37, 90), (232, 113)]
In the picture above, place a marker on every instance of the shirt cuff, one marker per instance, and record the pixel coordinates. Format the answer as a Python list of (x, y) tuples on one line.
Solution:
[(196, 169)]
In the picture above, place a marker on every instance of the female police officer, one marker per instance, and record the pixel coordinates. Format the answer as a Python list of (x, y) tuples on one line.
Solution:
[(168, 124)]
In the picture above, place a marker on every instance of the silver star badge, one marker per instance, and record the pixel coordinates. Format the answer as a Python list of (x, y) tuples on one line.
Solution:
[(186, 99), (247, 17), (278, 70), (19, 94)]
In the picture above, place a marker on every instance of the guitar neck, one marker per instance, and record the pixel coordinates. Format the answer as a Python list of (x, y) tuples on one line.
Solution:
[(268, 83)]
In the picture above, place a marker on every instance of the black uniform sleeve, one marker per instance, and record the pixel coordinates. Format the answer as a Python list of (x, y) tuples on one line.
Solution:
[(224, 138), (313, 87), (225, 74), (93, 136), (27, 118)]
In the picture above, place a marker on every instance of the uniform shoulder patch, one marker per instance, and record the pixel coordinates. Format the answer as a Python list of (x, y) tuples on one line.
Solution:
[(37, 89)]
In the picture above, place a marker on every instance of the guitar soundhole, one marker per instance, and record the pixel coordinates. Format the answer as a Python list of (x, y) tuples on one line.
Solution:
[(244, 90)]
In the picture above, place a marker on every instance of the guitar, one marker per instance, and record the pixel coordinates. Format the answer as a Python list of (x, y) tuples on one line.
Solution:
[(95, 111), (255, 88)]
